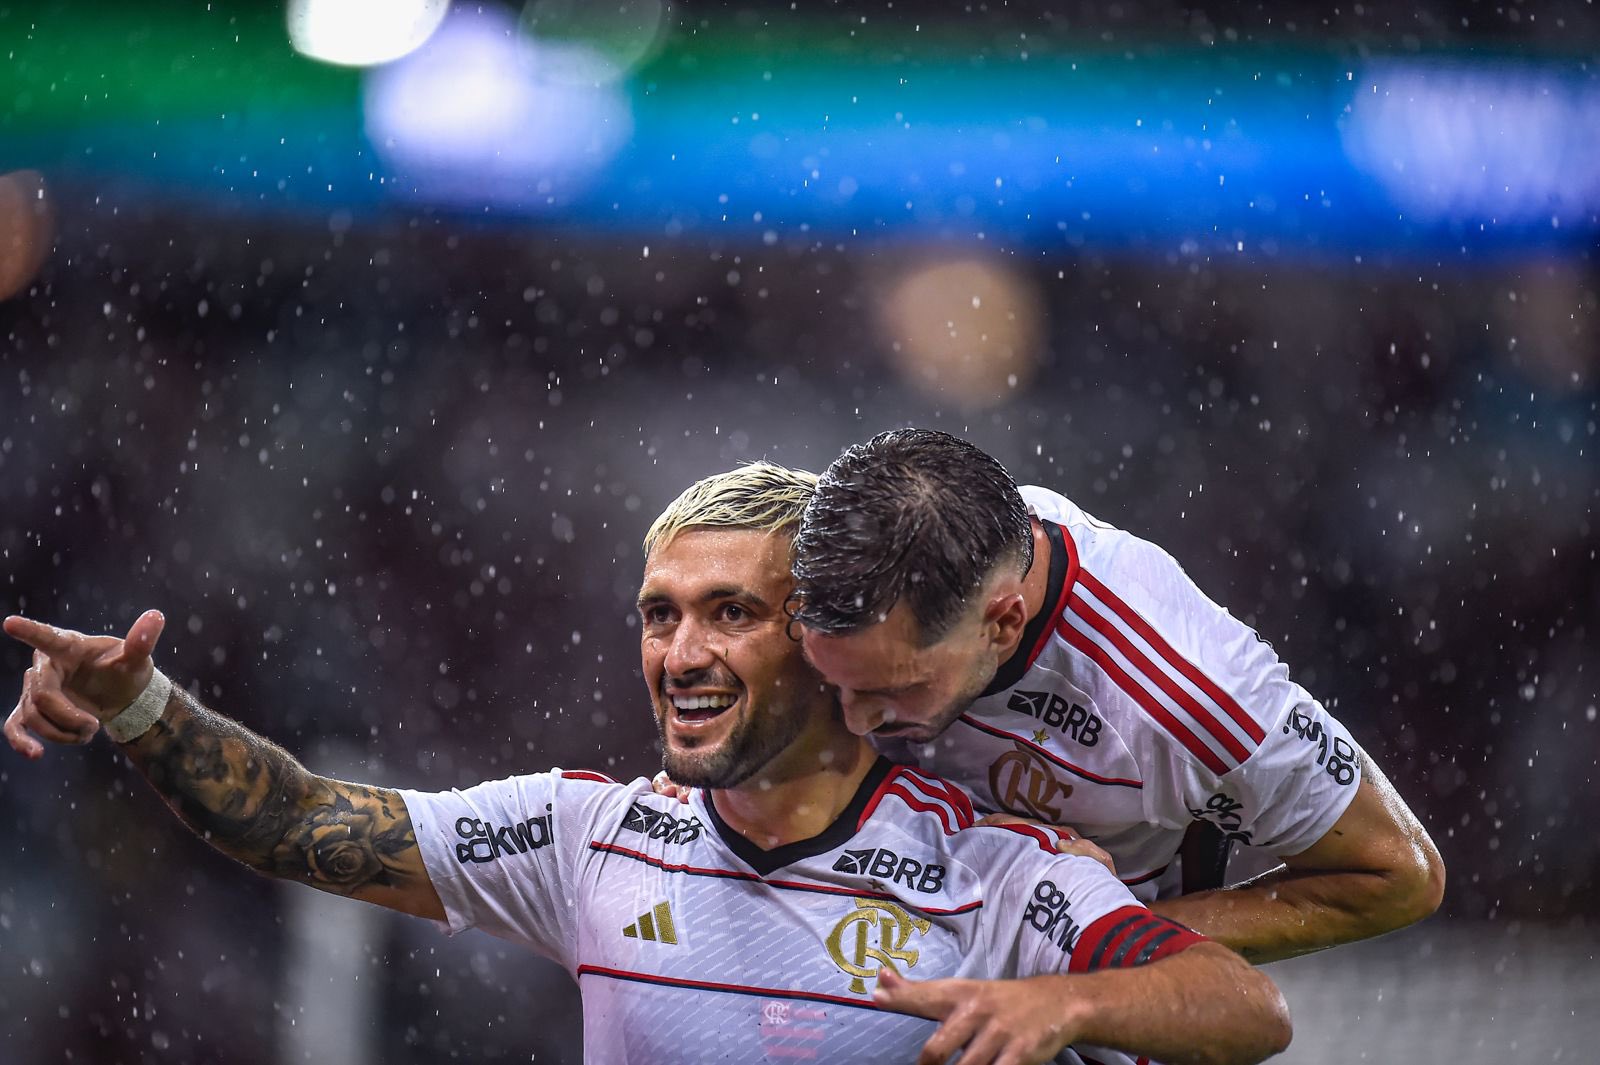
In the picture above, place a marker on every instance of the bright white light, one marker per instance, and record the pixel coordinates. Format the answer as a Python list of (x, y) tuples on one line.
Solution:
[(1501, 145), (471, 118), (360, 33), (590, 42)]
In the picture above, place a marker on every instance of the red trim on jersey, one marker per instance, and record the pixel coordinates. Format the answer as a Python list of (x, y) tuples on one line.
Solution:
[(734, 989), (586, 774), (782, 885), (1204, 683), (1151, 706), (672, 867), (1131, 881), (969, 720), (905, 795), (1127, 937), (936, 796), (1054, 609), (951, 793), (941, 790), (1103, 625), (1042, 836)]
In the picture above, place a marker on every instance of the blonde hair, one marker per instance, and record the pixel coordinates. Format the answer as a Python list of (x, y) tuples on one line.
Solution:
[(761, 496)]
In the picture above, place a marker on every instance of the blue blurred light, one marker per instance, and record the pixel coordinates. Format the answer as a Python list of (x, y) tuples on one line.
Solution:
[(471, 118), (1496, 145)]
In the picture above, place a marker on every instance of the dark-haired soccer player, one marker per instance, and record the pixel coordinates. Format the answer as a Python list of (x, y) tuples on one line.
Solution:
[(1067, 671), (773, 917)]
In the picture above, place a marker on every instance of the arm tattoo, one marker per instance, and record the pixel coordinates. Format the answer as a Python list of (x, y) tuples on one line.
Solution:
[(250, 799)]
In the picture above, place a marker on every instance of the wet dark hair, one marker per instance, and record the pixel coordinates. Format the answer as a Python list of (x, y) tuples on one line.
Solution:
[(912, 514)]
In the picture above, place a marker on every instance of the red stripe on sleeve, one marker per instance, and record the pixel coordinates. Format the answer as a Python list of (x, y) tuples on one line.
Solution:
[(1129, 937), (1151, 706), (584, 774), (1153, 673), (1184, 666)]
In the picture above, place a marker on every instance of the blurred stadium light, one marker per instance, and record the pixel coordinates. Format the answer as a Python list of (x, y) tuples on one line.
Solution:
[(1186, 150), (965, 332), (361, 33), (27, 227), (1464, 144), (473, 118), (587, 43)]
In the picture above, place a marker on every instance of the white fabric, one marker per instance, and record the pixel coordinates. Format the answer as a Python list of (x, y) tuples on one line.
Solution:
[(1110, 731), (572, 867), (135, 720)]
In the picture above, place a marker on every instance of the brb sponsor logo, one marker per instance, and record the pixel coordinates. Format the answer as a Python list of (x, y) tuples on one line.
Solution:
[(487, 843), (1052, 710), (885, 864), (871, 938), (1047, 915), (658, 824), (1022, 783)]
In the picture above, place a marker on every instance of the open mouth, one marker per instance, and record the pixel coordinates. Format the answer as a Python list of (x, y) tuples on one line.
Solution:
[(698, 709)]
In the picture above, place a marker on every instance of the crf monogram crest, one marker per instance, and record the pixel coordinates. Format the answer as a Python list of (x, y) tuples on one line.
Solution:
[(873, 937), (1021, 782)]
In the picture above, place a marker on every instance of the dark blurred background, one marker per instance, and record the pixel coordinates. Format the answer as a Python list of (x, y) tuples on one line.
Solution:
[(365, 341)]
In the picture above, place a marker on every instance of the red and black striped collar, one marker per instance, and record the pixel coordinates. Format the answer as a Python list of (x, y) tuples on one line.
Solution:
[(1063, 571)]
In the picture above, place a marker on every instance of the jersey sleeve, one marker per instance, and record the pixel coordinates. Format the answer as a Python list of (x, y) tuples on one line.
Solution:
[(503, 855), (1224, 734), (1071, 915)]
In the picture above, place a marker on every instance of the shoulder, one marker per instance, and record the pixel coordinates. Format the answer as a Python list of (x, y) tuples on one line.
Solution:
[(920, 802)]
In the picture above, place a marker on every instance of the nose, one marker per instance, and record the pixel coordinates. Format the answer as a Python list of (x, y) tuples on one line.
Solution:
[(861, 715), (689, 652)]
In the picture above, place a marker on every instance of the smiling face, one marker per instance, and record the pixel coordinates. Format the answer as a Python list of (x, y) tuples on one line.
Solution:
[(732, 692)]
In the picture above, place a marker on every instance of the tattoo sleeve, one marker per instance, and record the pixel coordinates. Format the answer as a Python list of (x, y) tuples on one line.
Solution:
[(251, 799)]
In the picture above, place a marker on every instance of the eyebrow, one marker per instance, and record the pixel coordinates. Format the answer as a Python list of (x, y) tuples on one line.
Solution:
[(709, 596)]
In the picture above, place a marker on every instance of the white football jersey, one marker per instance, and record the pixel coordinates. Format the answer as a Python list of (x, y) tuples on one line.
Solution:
[(1135, 706), (690, 944)]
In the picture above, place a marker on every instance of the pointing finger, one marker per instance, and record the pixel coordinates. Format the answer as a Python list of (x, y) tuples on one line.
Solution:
[(41, 637)]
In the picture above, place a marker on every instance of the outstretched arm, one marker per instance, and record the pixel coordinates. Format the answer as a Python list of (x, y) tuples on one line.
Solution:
[(1374, 871), (1202, 1006), (241, 793)]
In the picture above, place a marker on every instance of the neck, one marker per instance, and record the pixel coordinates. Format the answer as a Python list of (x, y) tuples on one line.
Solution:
[(1036, 582), (775, 808)]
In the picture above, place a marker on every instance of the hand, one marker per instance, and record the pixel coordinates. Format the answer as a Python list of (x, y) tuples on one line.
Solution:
[(1003, 1022), (1067, 839), (77, 681), (662, 784)]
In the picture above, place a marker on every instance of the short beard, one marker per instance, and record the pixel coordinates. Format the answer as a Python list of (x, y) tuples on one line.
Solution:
[(749, 748)]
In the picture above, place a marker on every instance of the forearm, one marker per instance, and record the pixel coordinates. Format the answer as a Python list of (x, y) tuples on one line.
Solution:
[(253, 801), (1204, 1006), (1285, 912)]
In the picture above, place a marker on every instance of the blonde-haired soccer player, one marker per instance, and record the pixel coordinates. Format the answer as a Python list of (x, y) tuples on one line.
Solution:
[(776, 915)]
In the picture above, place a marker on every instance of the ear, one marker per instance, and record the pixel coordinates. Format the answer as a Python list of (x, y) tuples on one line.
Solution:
[(1004, 618)]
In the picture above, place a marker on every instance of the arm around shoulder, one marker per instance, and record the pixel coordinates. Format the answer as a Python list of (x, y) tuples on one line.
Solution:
[(1374, 871)]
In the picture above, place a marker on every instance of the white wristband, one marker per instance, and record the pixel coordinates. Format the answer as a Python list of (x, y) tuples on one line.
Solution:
[(143, 712)]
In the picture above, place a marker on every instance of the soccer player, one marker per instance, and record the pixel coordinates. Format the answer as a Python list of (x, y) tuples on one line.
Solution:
[(1067, 671), (776, 916)]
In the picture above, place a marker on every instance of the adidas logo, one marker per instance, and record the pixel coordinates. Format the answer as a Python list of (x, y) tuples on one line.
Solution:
[(655, 926)]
